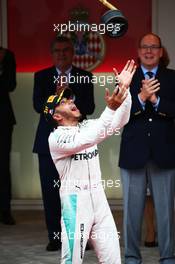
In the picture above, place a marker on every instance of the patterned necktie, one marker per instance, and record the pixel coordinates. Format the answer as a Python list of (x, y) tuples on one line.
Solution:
[(63, 79), (150, 74)]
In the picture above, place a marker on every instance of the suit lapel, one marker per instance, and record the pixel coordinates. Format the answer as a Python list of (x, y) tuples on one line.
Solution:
[(137, 81), (53, 72)]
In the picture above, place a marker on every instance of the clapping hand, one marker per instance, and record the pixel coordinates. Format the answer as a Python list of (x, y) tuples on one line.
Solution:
[(149, 89)]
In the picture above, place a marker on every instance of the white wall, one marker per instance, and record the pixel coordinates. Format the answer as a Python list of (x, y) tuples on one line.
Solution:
[(163, 24), (3, 23)]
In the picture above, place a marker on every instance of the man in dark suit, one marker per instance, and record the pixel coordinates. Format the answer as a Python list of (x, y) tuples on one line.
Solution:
[(7, 85), (147, 152), (46, 82)]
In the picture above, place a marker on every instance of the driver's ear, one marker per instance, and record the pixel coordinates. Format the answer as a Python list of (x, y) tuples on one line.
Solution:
[(57, 117)]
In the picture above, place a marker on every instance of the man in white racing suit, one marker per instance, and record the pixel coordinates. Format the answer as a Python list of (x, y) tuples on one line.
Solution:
[(73, 146)]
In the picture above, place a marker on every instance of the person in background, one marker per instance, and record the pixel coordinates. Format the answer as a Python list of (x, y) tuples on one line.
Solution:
[(7, 85), (149, 215), (147, 152), (48, 82)]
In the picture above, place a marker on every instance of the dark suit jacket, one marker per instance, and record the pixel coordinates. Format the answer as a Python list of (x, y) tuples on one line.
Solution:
[(150, 134), (43, 87), (7, 85)]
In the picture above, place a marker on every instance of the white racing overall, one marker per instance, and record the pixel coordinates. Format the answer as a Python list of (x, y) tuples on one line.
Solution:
[(85, 210)]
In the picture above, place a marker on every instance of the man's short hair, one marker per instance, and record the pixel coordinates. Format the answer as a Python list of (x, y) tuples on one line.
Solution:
[(60, 39), (159, 39)]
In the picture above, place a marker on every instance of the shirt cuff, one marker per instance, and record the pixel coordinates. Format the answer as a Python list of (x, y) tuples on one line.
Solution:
[(142, 103), (156, 104)]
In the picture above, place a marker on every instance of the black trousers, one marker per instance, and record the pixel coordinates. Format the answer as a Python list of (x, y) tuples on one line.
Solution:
[(50, 192), (5, 176)]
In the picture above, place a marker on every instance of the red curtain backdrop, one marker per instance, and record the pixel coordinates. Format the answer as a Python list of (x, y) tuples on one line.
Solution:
[(30, 30)]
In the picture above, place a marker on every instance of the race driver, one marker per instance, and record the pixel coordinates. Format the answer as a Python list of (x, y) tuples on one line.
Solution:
[(73, 146)]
